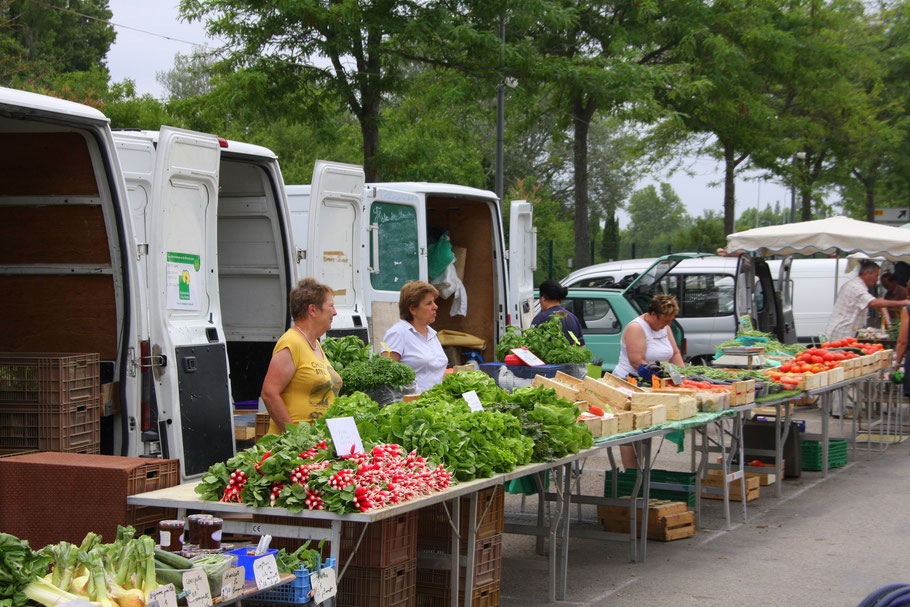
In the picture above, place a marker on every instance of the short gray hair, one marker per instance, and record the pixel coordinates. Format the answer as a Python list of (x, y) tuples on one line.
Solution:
[(867, 267)]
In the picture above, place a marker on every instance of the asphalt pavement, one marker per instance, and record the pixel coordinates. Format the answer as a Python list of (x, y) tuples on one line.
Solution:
[(826, 541)]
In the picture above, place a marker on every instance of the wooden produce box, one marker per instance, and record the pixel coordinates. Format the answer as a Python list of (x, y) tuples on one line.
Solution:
[(645, 400), (713, 402), (588, 397), (594, 424), (715, 479), (625, 421), (743, 392), (562, 390), (836, 375), (609, 426), (667, 520), (764, 478), (616, 398), (641, 420), (658, 415), (813, 381), (884, 359)]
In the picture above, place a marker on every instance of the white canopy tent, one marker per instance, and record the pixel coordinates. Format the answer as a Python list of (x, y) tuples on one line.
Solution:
[(827, 236)]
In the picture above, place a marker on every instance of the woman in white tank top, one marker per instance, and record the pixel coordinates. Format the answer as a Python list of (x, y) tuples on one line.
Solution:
[(648, 339)]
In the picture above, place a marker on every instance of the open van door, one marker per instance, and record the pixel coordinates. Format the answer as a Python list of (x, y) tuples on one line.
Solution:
[(189, 353), (785, 295), (334, 239), (744, 303), (396, 236), (522, 263)]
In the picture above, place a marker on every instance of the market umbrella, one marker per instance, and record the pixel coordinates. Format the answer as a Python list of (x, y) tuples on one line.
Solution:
[(825, 236)]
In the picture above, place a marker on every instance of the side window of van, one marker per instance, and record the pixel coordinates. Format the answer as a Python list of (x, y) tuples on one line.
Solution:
[(707, 295), (596, 315), (398, 246)]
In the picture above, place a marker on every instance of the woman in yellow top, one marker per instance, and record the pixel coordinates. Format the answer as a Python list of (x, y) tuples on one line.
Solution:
[(301, 383)]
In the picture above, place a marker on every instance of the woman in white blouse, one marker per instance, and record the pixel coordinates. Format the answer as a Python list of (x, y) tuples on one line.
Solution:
[(412, 340)]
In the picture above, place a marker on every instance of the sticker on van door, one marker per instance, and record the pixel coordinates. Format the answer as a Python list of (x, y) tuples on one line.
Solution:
[(184, 282)]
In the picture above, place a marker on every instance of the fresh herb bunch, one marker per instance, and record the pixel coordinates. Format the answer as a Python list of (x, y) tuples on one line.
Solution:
[(377, 371), (342, 352), (302, 558), (547, 341)]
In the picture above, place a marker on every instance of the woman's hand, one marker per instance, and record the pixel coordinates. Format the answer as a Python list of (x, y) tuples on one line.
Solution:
[(281, 371)]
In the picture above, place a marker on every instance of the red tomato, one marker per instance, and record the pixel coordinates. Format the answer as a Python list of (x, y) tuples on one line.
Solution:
[(785, 368), (817, 359)]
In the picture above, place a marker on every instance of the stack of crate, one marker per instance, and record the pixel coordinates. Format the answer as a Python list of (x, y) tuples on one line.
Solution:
[(50, 402), (434, 544)]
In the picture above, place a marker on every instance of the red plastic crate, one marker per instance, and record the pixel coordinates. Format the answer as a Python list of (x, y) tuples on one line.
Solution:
[(484, 596), (373, 587), (433, 521), (49, 378), (487, 564)]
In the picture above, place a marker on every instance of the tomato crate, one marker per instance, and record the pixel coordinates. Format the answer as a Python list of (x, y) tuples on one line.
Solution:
[(379, 587), (433, 521), (49, 378), (483, 596), (487, 563)]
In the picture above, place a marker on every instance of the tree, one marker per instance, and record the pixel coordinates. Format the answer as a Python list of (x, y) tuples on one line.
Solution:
[(654, 217), (191, 75)]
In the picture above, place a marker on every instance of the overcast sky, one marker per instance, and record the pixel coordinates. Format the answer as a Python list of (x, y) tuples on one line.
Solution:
[(139, 56)]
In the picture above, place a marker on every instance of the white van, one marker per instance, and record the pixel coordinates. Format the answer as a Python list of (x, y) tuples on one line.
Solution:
[(812, 288), (367, 240), (214, 211), (167, 274), (713, 292)]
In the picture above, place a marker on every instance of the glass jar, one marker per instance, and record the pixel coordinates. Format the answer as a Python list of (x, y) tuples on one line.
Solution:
[(210, 533), (192, 528), (170, 535)]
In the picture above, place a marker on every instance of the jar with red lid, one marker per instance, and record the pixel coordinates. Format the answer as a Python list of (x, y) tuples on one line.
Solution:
[(170, 535), (210, 533)]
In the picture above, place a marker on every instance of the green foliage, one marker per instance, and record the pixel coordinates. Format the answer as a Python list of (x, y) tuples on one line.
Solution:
[(377, 371), (546, 340), (18, 566), (345, 351)]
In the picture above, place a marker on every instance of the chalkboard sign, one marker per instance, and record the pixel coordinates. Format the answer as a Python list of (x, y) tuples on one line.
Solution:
[(398, 259)]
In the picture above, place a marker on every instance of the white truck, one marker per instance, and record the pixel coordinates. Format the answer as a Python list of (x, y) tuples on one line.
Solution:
[(168, 253), (367, 240)]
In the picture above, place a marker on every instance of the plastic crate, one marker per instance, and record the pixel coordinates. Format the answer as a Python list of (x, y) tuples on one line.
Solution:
[(484, 596), (626, 481), (811, 452), (379, 587), (63, 427), (49, 378), (433, 521), (295, 593), (156, 474), (263, 420), (487, 564), (386, 543), (18, 426)]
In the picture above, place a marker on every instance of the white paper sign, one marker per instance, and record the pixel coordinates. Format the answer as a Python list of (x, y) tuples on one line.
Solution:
[(344, 435), (473, 400), (196, 583), (266, 571), (165, 596), (184, 281), (528, 357), (232, 583), (324, 585)]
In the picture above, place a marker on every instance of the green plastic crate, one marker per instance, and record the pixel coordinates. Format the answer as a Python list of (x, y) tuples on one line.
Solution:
[(625, 481), (811, 451)]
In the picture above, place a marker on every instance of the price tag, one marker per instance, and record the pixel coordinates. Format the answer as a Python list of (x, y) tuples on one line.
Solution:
[(344, 435), (196, 584), (745, 323), (575, 339), (527, 357), (385, 347), (266, 571), (164, 596), (324, 585), (232, 583), (473, 400)]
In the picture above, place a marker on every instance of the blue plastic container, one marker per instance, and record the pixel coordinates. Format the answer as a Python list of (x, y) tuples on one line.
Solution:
[(297, 592), (246, 561)]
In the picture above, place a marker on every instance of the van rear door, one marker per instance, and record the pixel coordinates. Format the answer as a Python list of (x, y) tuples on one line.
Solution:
[(188, 349), (334, 240), (522, 263), (785, 295), (396, 237)]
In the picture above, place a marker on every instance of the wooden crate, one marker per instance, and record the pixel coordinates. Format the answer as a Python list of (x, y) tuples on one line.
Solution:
[(625, 421), (667, 521), (562, 391), (836, 375), (658, 414), (617, 399), (641, 420), (645, 400), (594, 424), (765, 479), (609, 426), (611, 380), (715, 479)]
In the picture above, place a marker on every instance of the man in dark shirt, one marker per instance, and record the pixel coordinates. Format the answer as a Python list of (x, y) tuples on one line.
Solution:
[(893, 289), (551, 295)]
